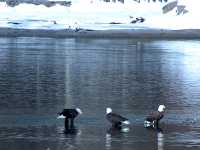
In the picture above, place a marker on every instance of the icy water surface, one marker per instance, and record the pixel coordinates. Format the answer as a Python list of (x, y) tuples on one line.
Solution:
[(41, 76)]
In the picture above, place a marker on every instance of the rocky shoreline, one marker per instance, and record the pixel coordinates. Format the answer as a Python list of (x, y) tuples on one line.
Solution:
[(123, 33)]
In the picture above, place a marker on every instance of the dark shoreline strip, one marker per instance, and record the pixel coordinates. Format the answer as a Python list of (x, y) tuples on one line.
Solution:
[(126, 33)]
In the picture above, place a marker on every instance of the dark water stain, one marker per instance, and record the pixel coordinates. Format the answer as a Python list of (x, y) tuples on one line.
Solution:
[(41, 76)]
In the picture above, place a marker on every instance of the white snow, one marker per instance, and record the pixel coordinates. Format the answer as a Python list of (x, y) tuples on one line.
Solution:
[(96, 14)]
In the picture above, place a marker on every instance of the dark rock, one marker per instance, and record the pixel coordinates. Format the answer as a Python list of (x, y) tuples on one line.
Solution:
[(16, 23), (13, 3), (115, 23), (138, 20), (170, 6), (181, 9), (185, 11)]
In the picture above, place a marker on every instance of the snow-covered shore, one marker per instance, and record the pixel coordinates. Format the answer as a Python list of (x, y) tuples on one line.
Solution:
[(97, 17)]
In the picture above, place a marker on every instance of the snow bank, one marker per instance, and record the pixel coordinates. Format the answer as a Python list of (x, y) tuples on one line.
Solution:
[(99, 15)]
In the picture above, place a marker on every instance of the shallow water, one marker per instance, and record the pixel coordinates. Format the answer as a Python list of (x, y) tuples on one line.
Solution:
[(41, 76)]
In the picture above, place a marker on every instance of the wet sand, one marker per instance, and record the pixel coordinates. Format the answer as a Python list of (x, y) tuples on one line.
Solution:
[(123, 33)]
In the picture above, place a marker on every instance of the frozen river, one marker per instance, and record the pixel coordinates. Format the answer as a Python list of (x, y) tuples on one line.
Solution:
[(41, 76)]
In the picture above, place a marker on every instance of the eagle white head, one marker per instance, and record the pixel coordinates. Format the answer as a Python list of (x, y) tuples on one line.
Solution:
[(161, 108), (108, 110)]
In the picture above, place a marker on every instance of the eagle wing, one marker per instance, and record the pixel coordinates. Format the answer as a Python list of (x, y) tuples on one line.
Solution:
[(115, 118), (153, 116)]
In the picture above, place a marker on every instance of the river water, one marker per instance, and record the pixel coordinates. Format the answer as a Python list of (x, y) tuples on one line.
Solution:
[(41, 76)]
